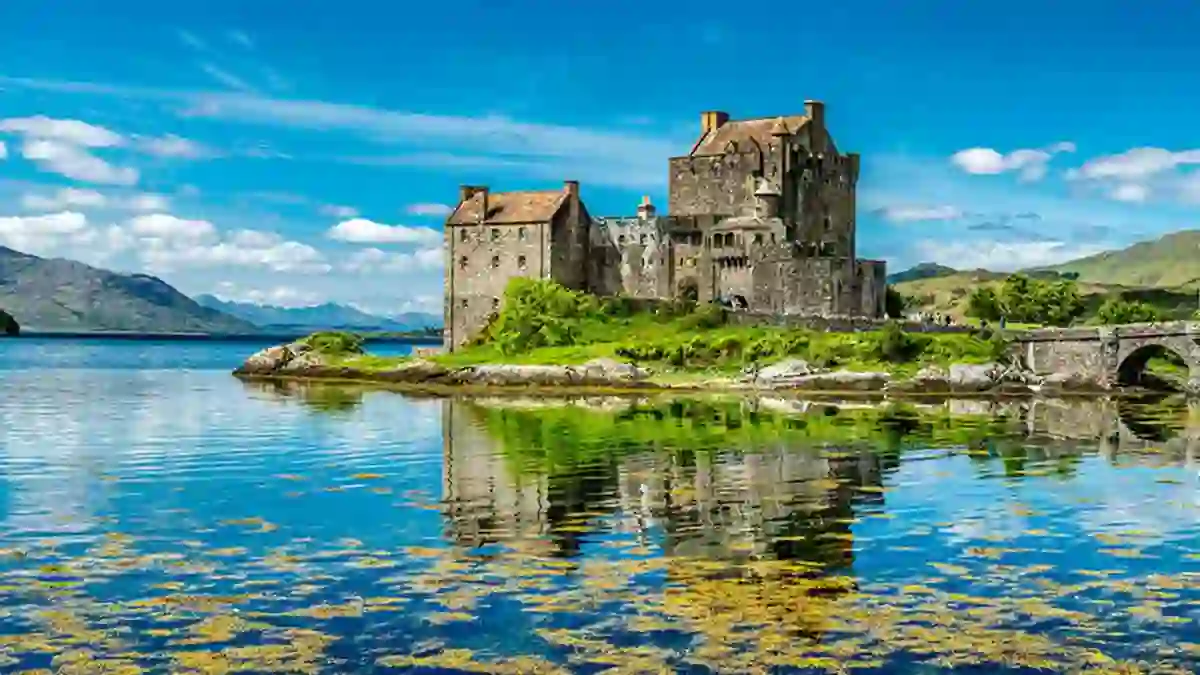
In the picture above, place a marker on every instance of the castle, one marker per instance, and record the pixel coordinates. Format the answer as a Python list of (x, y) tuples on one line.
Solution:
[(761, 217)]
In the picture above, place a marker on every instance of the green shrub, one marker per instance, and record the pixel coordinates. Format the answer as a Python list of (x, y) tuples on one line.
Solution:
[(705, 317), (540, 313), (894, 344), (335, 343), (1118, 311)]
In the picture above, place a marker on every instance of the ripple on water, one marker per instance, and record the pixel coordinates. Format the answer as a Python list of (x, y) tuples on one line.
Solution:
[(187, 522)]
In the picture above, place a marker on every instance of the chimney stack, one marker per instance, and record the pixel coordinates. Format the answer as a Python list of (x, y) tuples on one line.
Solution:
[(646, 209), (815, 110), (712, 119)]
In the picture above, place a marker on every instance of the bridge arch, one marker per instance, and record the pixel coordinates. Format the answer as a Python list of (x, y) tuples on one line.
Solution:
[(1134, 355)]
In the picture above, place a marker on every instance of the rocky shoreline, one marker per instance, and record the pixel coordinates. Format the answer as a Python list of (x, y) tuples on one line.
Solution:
[(301, 361)]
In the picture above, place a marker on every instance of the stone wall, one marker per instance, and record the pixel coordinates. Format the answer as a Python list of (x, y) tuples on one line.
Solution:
[(835, 324)]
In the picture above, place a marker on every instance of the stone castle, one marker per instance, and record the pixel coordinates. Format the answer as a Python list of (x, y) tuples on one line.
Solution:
[(761, 217)]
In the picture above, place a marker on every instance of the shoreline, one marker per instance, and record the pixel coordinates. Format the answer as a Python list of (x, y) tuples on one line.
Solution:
[(213, 337)]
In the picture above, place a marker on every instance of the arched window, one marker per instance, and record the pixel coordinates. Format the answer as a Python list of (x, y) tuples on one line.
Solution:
[(495, 261)]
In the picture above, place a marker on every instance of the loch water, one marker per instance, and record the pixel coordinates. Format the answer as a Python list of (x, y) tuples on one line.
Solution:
[(159, 515)]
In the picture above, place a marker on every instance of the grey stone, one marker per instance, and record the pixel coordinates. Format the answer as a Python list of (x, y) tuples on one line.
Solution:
[(971, 377), (610, 370), (779, 374), (266, 361), (840, 381), (415, 371)]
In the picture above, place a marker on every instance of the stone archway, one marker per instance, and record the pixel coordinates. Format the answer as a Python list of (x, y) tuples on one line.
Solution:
[(1133, 357)]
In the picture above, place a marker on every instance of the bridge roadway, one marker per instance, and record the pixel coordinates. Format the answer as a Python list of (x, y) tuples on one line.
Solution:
[(1109, 355)]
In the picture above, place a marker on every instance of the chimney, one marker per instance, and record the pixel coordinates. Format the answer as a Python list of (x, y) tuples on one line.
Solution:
[(815, 110), (646, 209), (712, 119), (571, 187), (465, 192)]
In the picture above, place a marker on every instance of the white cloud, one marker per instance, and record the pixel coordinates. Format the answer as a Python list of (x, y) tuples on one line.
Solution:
[(1030, 164), (279, 296), (73, 132), (336, 211), (1002, 256), (363, 231), (912, 214), (225, 77), (43, 234), (74, 161), (1140, 174), (147, 202), (64, 198), (164, 227), (378, 260), (3, 150), (173, 146), (429, 209)]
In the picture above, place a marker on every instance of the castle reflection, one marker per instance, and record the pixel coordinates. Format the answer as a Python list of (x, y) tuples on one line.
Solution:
[(538, 481)]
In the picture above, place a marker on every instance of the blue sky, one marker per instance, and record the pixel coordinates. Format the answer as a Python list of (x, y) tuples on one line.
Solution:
[(303, 151)]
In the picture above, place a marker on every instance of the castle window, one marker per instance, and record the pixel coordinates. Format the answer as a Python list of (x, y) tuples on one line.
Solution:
[(463, 235), (772, 237), (463, 303), (642, 240), (521, 233), (462, 262), (495, 234), (757, 239), (521, 261), (495, 303), (495, 261), (621, 239), (828, 224)]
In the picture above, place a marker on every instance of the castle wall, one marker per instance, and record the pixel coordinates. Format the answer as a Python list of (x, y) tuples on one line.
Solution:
[(872, 286), (481, 261), (717, 184)]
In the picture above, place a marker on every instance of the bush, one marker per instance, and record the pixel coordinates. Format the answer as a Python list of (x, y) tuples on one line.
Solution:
[(1118, 311), (705, 317), (540, 313), (984, 304), (894, 344), (335, 343), (894, 303)]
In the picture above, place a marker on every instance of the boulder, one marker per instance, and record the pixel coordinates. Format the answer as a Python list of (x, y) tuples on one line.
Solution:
[(928, 380), (782, 374), (267, 361), (971, 377), (1070, 381), (839, 381), (417, 370), (596, 372), (613, 371)]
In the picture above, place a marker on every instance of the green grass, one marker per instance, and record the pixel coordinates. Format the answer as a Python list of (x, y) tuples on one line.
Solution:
[(543, 323)]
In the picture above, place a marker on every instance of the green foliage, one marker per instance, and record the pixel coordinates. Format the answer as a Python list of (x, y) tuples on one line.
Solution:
[(984, 304), (8, 325), (1119, 311), (894, 303), (541, 313), (335, 343), (706, 317), (897, 346)]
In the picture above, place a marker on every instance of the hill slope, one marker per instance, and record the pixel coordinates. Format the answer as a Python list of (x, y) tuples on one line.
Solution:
[(328, 315), (64, 295), (1171, 261), (925, 270)]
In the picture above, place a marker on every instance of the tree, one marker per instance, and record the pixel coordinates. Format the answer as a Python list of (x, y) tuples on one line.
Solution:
[(894, 303), (984, 304), (1118, 311), (1053, 303)]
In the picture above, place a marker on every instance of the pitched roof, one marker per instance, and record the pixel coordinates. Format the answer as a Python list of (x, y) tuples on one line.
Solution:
[(740, 131), (530, 206)]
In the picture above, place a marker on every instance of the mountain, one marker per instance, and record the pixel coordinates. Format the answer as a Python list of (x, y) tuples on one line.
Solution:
[(325, 316), (1171, 261), (53, 294), (925, 270)]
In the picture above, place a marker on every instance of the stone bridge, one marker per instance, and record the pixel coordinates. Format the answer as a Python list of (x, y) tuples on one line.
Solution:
[(1109, 355)]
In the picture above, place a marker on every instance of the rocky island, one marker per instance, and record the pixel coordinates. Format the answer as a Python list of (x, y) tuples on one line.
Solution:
[(550, 337)]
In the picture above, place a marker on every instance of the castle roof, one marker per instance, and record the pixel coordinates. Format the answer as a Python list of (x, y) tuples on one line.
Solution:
[(530, 206), (759, 130)]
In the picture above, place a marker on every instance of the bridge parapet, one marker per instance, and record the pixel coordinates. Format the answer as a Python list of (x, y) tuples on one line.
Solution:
[(1107, 354)]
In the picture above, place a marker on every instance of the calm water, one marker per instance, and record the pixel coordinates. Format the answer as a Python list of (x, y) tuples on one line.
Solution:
[(157, 515)]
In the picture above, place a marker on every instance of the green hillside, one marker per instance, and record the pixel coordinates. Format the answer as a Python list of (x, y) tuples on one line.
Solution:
[(1172, 261)]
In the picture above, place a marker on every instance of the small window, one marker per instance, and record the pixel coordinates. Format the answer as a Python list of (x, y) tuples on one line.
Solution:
[(463, 235), (757, 239), (495, 234), (521, 233), (642, 240), (462, 262), (495, 261), (463, 303), (621, 239), (521, 261), (495, 303), (828, 224), (772, 237)]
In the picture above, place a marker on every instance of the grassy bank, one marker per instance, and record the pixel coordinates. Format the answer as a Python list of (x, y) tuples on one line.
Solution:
[(544, 323)]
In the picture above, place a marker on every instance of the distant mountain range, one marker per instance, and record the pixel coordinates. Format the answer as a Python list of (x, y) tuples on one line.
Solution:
[(52, 294), (328, 315)]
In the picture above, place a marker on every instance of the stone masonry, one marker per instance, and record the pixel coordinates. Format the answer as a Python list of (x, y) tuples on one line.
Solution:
[(761, 218), (1110, 356)]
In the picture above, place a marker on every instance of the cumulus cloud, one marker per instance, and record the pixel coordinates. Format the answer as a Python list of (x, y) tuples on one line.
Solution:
[(1003, 256), (279, 296), (378, 260), (74, 161), (429, 210), (337, 211), (912, 214), (363, 231), (166, 228), (64, 198), (73, 132), (1140, 174), (1030, 164), (42, 234)]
